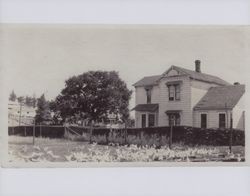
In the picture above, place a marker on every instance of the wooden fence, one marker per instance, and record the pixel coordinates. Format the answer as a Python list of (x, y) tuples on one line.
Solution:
[(157, 136)]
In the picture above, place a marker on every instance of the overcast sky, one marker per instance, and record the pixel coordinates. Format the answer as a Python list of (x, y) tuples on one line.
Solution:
[(39, 58)]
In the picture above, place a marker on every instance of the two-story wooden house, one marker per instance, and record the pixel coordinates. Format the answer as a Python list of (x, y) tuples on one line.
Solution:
[(184, 97)]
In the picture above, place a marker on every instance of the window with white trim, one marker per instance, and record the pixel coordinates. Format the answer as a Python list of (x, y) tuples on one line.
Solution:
[(222, 120), (174, 92), (203, 120), (148, 94)]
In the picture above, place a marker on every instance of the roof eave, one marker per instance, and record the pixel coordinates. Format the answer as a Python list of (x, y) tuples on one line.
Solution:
[(145, 85), (212, 108)]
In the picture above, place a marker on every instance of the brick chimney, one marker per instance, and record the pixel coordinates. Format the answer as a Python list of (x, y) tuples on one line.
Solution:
[(198, 66)]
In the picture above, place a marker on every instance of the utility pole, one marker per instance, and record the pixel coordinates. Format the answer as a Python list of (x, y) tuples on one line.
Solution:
[(20, 113), (34, 131), (230, 120), (231, 134)]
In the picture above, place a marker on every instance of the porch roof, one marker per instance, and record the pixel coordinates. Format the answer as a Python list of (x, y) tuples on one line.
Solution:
[(173, 111), (146, 107)]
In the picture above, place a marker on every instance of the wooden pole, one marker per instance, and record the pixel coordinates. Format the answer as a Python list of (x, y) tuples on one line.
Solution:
[(25, 131), (107, 137), (110, 130), (34, 132), (171, 132), (65, 132), (231, 134), (20, 113), (40, 130), (171, 136), (91, 129), (125, 134)]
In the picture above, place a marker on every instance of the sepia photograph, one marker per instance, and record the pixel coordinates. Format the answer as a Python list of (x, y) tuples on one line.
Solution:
[(138, 94)]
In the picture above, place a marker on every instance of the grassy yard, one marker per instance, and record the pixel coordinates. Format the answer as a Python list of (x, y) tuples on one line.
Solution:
[(62, 150)]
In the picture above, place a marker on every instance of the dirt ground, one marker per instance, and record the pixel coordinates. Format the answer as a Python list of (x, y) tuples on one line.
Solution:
[(62, 150)]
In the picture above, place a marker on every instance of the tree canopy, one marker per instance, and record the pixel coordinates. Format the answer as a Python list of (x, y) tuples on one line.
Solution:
[(12, 96), (20, 99), (29, 101), (93, 95), (43, 111)]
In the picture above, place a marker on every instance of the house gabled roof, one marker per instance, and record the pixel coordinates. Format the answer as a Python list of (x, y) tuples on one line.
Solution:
[(153, 80), (201, 76), (146, 107), (148, 81), (222, 97)]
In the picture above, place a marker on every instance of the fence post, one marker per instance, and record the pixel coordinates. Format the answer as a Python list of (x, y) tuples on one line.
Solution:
[(40, 130), (171, 136), (25, 131), (65, 132), (107, 137), (91, 129), (141, 134), (231, 134), (34, 132), (111, 134), (125, 134)]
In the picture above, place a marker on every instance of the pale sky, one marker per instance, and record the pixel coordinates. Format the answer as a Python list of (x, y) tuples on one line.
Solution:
[(39, 58)]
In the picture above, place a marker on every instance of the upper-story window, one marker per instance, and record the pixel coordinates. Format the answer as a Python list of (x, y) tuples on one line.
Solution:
[(177, 92), (148, 94), (171, 92), (174, 92)]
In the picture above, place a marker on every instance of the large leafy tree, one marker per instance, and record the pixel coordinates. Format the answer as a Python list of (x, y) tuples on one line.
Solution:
[(43, 115), (93, 96)]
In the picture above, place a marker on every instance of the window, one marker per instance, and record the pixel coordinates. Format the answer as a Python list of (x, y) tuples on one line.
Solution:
[(148, 94), (171, 90), (151, 120), (177, 92), (203, 120), (143, 120), (174, 119), (222, 120), (174, 92)]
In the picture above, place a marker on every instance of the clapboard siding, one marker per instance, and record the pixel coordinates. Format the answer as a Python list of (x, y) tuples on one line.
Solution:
[(184, 104), (239, 114), (141, 98), (137, 119), (212, 118), (198, 90)]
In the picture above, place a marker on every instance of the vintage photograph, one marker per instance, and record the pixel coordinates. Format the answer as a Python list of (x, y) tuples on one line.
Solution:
[(124, 93)]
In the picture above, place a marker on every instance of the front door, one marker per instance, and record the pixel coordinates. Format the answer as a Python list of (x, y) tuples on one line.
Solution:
[(174, 119)]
